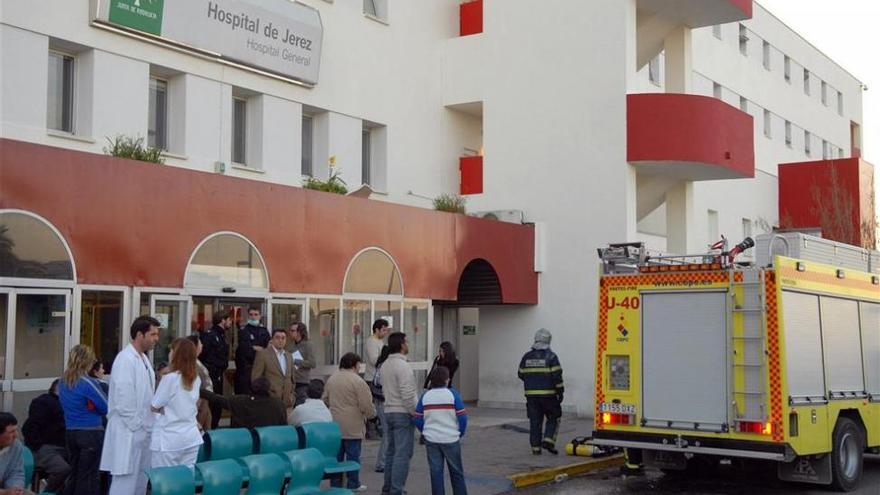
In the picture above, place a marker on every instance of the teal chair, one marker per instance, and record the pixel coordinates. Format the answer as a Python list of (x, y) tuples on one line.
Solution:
[(228, 444), (275, 439), (266, 473), (327, 438), (28, 458), (175, 480), (203, 451), (306, 472), (223, 477)]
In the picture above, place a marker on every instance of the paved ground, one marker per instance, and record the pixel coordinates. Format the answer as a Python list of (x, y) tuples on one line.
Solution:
[(728, 482), (496, 445)]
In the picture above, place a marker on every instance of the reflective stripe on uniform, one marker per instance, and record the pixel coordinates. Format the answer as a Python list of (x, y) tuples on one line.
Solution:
[(540, 392), (540, 370)]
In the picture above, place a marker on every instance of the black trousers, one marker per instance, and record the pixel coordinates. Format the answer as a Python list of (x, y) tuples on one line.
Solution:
[(538, 410), (216, 408), (84, 448)]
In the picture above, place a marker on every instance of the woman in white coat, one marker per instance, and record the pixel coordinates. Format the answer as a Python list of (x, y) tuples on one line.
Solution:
[(176, 438)]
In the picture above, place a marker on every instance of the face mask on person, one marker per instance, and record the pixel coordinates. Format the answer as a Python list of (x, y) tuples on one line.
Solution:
[(255, 323)]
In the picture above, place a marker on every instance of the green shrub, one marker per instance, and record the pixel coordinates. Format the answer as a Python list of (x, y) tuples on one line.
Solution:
[(134, 149), (333, 184), (453, 203)]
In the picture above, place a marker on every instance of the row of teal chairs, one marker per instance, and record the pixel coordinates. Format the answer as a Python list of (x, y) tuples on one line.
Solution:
[(297, 472), (238, 443)]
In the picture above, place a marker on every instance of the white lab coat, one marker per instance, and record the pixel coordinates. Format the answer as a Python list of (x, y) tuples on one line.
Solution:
[(132, 382), (176, 426)]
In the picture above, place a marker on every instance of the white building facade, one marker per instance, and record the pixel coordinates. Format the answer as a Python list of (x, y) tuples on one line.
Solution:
[(546, 93)]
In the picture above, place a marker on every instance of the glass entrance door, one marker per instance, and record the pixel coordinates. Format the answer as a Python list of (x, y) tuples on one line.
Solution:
[(285, 312), (35, 327), (173, 313)]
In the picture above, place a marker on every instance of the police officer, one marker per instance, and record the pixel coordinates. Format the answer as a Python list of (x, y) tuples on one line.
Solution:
[(215, 357), (541, 374), (252, 338)]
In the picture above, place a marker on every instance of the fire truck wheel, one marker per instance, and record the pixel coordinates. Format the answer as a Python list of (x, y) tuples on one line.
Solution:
[(847, 450)]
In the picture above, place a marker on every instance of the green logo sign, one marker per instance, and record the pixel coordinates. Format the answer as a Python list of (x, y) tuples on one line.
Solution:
[(142, 15)]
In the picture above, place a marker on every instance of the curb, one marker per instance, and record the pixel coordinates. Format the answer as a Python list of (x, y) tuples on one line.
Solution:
[(530, 478)]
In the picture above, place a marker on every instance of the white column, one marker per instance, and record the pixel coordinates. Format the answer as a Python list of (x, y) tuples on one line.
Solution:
[(677, 46), (340, 136), (681, 219)]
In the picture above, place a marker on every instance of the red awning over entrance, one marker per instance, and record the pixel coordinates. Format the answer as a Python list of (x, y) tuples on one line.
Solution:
[(137, 224)]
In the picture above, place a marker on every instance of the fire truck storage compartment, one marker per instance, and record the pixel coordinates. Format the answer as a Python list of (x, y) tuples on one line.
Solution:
[(684, 353)]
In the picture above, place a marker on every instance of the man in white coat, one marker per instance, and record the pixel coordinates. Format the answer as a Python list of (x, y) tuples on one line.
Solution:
[(129, 420)]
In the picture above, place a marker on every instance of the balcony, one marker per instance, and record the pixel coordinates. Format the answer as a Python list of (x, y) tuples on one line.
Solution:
[(470, 18), (471, 171), (698, 13), (689, 137)]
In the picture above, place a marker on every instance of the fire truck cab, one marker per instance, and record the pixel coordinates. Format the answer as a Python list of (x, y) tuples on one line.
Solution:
[(775, 359)]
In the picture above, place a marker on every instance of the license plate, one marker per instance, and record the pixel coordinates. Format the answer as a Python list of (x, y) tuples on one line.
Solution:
[(617, 408)]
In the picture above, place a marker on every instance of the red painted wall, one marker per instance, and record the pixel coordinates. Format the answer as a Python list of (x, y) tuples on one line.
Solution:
[(807, 189), (689, 128), (134, 223), (470, 18), (471, 170)]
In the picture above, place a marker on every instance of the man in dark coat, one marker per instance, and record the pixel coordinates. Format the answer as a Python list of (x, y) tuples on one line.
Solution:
[(252, 338), (44, 435), (215, 356)]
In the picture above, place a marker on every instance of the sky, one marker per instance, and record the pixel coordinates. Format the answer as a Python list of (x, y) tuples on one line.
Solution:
[(848, 31)]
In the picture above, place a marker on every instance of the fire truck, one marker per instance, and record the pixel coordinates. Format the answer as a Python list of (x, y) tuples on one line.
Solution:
[(777, 358)]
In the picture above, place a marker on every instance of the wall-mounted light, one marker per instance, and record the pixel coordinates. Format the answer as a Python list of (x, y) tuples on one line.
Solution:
[(801, 266), (875, 280), (841, 274)]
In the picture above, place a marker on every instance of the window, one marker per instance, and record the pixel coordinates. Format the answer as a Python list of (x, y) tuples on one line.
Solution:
[(806, 82), (712, 230), (716, 31), (839, 152), (226, 260), (826, 150), (323, 323), (376, 8), (766, 55), (59, 111), (31, 249), (307, 132), (744, 104), (807, 148), (654, 70), (239, 130), (787, 64), (768, 122), (788, 133), (716, 90), (373, 272), (157, 128), (824, 93), (839, 103), (370, 8), (746, 227), (743, 40), (366, 167)]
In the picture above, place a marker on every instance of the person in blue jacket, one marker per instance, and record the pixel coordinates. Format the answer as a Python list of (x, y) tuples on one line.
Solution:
[(441, 417), (85, 404)]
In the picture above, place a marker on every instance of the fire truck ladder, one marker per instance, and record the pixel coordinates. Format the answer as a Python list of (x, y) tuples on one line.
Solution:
[(748, 346)]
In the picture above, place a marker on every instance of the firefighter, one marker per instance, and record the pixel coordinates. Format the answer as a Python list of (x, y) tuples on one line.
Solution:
[(541, 374)]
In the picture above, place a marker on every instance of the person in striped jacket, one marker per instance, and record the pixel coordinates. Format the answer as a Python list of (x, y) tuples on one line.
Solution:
[(441, 417)]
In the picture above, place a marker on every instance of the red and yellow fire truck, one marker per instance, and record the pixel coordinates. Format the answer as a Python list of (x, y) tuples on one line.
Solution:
[(702, 358)]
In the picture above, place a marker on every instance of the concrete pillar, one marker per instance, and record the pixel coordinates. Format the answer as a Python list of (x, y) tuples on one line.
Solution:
[(681, 229), (677, 46)]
